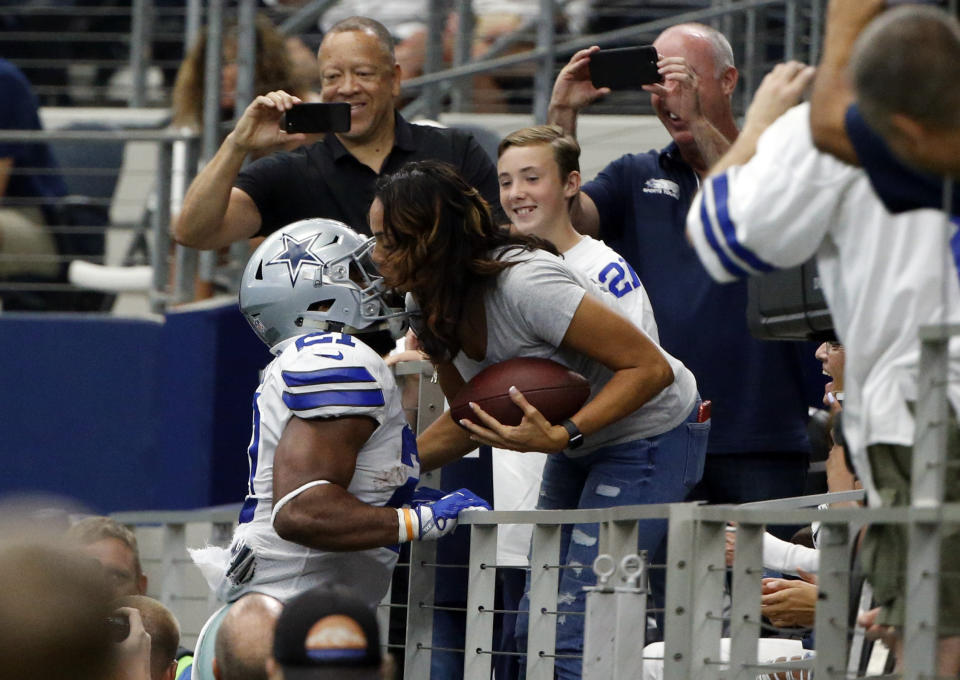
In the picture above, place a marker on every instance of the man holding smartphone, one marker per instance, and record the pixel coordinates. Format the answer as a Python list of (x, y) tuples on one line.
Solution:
[(758, 447), (331, 178)]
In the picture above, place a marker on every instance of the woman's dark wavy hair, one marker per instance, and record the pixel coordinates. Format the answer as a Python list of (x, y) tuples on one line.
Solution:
[(438, 234)]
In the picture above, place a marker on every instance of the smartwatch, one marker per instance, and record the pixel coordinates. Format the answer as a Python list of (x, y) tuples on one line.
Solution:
[(576, 436)]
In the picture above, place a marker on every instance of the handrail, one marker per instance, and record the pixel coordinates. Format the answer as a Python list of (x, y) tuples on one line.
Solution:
[(570, 46)]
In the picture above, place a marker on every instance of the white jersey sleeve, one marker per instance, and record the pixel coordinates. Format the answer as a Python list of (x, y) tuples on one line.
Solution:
[(773, 211), (786, 557), (328, 375)]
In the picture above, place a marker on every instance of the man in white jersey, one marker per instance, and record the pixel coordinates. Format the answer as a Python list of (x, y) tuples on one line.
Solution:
[(333, 464), (773, 201)]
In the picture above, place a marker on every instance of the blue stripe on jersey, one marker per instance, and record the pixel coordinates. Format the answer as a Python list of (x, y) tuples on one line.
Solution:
[(312, 400), (325, 376), (955, 244), (730, 231), (728, 264), (250, 502)]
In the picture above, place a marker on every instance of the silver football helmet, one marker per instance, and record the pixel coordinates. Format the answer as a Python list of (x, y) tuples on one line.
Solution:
[(317, 274)]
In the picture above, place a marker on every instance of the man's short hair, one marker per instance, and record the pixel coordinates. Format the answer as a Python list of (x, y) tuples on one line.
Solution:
[(566, 151), (722, 51), (162, 627), (92, 529), (907, 61), (54, 607), (244, 639), (367, 25)]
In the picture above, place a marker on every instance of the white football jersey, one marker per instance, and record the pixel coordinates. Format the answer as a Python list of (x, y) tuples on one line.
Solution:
[(321, 375), (883, 276), (620, 288), (612, 274)]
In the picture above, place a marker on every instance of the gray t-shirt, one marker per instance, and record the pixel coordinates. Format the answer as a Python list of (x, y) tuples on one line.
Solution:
[(528, 312)]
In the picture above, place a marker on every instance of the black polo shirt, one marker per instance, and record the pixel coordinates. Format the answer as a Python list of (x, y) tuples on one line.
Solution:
[(326, 180)]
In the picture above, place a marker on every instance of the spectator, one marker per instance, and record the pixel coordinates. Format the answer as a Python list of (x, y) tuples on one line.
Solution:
[(30, 186), (902, 70), (758, 447), (274, 71), (328, 633), (132, 648), (245, 639), (54, 608), (332, 459), (333, 178), (114, 546), (164, 632), (782, 201), (487, 296)]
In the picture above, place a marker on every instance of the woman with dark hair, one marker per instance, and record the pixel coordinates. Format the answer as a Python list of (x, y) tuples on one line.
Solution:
[(486, 295)]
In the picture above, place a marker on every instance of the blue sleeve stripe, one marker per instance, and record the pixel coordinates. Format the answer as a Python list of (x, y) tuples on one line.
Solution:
[(325, 376), (312, 400), (730, 231), (732, 267)]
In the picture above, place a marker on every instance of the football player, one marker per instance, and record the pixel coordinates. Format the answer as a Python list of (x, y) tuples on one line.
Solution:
[(333, 463)]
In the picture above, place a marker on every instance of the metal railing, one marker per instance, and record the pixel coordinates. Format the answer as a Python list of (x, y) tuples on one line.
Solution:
[(695, 615)]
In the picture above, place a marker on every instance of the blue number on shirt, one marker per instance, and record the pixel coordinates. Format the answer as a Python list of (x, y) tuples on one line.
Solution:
[(617, 286), (410, 457), (324, 338)]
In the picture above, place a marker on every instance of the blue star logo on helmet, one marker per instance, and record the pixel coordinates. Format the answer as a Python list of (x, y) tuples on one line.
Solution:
[(295, 254)]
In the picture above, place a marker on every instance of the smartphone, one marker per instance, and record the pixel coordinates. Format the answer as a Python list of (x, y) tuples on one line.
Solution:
[(119, 626), (317, 117), (625, 67)]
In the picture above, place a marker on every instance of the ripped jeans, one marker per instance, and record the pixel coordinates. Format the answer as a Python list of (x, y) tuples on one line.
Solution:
[(661, 469)]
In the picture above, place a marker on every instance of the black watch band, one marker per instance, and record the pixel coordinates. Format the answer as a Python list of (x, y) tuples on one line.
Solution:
[(576, 436)]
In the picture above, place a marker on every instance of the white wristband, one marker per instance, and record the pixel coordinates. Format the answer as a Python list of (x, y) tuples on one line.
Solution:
[(409, 525)]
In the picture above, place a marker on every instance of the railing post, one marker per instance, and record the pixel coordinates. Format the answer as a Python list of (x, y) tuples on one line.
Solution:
[(833, 600), (616, 618), (139, 44), (185, 269), (420, 588), (709, 576), (816, 31), (790, 31), (433, 60), (544, 581), (745, 598), (161, 229), (246, 56), (678, 617), (174, 543), (480, 602), (748, 70), (543, 81), (928, 473), (461, 91)]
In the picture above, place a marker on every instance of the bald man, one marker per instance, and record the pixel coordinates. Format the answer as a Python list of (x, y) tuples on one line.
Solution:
[(638, 206), (244, 641)]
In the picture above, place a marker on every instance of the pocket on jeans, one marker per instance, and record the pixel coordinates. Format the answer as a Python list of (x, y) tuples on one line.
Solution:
[(697, 434)]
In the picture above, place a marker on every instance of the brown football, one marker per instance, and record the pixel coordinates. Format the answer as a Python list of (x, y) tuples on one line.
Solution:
[(555, 391)]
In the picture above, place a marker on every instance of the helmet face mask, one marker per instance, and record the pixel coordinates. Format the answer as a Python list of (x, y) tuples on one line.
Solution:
[(317, 274)]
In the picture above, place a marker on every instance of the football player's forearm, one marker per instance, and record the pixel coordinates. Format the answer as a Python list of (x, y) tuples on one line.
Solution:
[(443, 442), (330, 518)]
